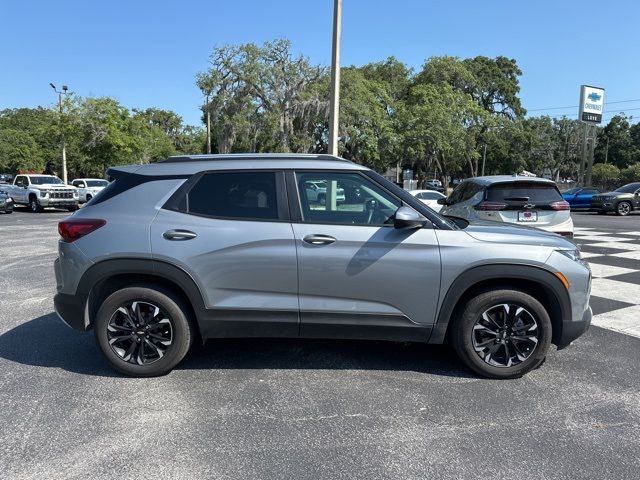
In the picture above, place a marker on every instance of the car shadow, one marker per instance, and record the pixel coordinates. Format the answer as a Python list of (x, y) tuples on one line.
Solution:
[(46, 342)]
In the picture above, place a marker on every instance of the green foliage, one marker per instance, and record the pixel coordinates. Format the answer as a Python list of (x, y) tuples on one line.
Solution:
[(19, 151), (630, 174), (605, 176)]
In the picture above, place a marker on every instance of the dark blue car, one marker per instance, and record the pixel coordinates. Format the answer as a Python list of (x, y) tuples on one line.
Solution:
[(580, 197)]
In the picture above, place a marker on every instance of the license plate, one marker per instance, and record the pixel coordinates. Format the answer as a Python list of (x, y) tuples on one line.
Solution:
[(527, 216)]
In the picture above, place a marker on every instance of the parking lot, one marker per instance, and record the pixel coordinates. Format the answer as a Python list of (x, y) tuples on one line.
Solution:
[(310, 409)]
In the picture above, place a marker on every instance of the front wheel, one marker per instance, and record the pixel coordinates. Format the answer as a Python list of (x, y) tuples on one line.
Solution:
[(623, 209), (72, 209), (34, 205), (502, 334), (143, 332)]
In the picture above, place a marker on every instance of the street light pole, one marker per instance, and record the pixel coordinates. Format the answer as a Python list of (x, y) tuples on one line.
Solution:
[(208, 126), (64, 146), (335, 78)]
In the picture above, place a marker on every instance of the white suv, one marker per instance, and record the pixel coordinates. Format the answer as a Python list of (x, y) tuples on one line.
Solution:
[(530, 201)]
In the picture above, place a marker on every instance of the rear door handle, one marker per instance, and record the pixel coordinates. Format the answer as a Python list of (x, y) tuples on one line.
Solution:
[(179, 235), (319, 239)]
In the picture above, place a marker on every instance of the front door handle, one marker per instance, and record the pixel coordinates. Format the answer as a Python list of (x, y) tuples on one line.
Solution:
[(179, 235), (319, 239)]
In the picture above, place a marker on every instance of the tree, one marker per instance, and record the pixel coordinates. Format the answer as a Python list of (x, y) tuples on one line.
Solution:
[(19, 152), (605, 176), (263, 85)]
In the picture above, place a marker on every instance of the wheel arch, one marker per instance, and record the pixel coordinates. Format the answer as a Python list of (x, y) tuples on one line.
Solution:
[(543, 285), (107, 276)]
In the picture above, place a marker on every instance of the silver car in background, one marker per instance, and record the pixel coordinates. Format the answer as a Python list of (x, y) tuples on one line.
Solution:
[(233, 246), (528, 201)]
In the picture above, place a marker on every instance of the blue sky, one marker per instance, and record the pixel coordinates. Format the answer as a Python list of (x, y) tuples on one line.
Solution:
[(146, 53)]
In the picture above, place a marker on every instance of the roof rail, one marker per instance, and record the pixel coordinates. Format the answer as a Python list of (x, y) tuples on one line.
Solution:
[(251, 156)]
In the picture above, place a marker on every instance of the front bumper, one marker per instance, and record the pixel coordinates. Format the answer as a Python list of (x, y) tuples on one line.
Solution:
[(602, 206), (71, 310), (58, 202), (572, 329)]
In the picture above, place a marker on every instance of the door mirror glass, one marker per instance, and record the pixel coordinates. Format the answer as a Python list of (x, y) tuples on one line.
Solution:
[(442, 201), (407, 217)]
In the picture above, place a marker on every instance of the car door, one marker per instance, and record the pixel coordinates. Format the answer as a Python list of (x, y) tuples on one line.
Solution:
[(358, 275), (229, 230), (20, 189)]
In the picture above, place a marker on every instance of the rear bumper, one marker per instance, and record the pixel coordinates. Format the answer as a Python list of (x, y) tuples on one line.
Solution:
[(71, 310), (572, 330)]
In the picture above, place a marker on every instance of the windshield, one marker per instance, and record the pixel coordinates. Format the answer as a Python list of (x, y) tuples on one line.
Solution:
[(629, 188), (572, 191), (97, 183), (45, 180)]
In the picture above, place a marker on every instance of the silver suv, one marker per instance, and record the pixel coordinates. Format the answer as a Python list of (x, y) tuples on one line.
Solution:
[(233, 246), (531, 201)]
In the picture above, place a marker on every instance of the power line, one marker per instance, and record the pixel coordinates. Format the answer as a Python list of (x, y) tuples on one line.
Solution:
[(576, 106)]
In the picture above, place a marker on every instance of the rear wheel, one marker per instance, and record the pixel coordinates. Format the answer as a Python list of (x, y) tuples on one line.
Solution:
[(143, 332), (623, 209), (502, 334)]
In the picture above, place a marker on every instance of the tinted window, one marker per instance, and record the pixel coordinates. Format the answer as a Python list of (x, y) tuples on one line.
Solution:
[(429, 196), (249, 195), (588, 191), (344, 198), (524, 192), (45, 180), (20, 181), (573, 191), (629, 188), (97, 183)]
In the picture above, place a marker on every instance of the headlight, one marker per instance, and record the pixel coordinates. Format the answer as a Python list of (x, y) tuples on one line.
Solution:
[(575, 256), (572, 254), (43, 193), (75, 194)]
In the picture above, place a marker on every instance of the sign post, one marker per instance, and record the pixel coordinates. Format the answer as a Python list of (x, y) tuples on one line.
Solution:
[(591, 110)]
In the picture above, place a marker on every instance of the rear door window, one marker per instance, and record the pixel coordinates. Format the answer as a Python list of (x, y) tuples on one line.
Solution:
[(524, 192), (238, 195)]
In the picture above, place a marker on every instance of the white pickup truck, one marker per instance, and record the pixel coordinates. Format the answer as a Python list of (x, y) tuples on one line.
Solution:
[(89, 187), (42, 191)]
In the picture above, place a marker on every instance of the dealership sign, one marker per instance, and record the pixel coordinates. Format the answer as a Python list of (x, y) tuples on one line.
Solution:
[(591, 104)]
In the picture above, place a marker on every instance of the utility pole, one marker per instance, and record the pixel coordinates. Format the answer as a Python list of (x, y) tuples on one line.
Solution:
[(64, 146), (208, 125), (484, 158), (606, 151), (335, 78)]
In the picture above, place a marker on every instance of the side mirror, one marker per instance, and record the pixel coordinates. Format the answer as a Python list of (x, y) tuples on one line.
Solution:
[(407, 217), (442, 201)]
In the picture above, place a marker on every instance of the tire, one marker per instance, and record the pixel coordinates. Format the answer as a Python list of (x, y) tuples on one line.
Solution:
[(72, 209), (623, 208), (469, 332), (34, 205), (110, 322), (87, 198), (322, 198)]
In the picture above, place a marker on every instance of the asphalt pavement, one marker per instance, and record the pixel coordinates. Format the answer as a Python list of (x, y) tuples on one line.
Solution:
[(297, 409)]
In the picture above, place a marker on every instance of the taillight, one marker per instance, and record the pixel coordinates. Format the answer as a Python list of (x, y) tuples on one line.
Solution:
[(560, 205), (490, 206), (72, 229)]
